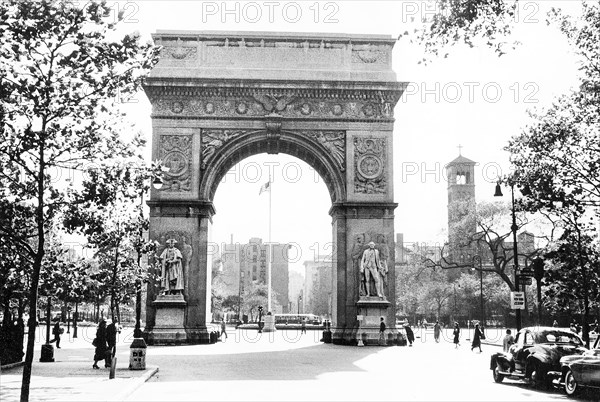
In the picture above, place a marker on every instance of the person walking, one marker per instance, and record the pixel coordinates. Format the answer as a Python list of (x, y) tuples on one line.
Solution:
[(410, 335), (111, 340), (507, 341), (100, 343), (478, 333), (436, 331), (223, 329), (456, 334), (56, 331), (303, 326), (382, 332)]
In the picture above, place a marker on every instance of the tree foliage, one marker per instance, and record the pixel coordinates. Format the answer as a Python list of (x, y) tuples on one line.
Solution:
[(62, 66), (469, 22), (557, 157)]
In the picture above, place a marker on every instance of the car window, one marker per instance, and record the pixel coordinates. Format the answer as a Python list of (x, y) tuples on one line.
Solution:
[(528, 338), (559, 337)]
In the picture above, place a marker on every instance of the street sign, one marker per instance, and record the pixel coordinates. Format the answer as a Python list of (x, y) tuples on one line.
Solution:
[(525, 280), (526, 272), (517, 300)]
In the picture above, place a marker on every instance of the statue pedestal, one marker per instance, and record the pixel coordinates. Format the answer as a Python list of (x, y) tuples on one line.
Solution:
[(370, 311), (269, 321), (170, 320)]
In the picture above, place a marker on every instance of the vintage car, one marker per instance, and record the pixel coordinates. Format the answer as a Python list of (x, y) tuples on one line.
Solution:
[(536, 351), (580, 371)]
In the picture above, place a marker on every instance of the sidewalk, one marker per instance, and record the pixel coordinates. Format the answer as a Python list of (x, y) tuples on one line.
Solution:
[(72, 378)]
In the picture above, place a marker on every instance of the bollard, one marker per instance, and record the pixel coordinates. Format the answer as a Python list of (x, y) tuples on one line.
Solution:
[(137, 354)]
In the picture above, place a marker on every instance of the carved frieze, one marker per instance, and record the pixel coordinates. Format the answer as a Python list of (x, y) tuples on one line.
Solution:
[(334, 143), (179, 50), (212, 140), (176, 155), (260, 104), (370, 53), (369, 165)]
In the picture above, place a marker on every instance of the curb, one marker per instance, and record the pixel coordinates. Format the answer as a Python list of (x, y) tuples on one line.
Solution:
[(12, 365), (138, 382)]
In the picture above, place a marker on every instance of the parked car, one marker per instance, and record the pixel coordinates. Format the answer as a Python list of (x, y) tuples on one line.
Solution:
[(536, 353), (580, 371)]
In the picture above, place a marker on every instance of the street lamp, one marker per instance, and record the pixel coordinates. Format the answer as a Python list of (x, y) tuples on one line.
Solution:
[(514, 228), (478, 258)]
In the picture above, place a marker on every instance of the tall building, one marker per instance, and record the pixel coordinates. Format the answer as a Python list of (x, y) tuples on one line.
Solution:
[(318, 286), (461, 207), (246, 264), (295, 291)]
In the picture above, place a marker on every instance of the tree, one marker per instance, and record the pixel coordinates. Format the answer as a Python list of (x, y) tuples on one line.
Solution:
[(468, 22), (61, 69), (108, 212), (489, 244), (558, 157)]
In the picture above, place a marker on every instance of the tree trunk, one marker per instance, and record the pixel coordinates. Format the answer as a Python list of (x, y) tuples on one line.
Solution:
[(37, 266)]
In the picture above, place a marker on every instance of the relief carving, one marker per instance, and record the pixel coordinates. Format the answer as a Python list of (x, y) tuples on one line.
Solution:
[(212, 140), (334, 143), (179, 51), (274, 102), (286, 105), (369, 54), (176, 154), (369, 165)]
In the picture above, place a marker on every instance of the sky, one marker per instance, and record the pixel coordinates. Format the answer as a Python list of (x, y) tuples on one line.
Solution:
[(473, 98)]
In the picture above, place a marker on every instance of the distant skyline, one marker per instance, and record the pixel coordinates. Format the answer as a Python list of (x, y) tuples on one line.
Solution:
[(472, 98)]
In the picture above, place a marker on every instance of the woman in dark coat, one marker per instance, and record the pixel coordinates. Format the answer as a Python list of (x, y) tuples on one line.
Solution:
[(476, 339), (410, 336), (456, 333), (100, 344)]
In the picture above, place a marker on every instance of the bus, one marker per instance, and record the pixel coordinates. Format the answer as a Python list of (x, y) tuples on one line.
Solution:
[(296, 319)]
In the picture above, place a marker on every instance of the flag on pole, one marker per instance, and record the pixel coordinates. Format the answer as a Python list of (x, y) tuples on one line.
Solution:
[(265, 187)]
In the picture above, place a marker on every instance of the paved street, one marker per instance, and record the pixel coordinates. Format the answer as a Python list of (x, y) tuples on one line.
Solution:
[(282, 366), (279, 366)]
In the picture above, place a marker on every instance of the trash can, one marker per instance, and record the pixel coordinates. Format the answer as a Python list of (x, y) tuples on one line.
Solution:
[(137, 354)]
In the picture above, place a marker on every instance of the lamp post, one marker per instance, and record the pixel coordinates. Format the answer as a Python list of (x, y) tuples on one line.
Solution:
[(478, 258), (514, 228)]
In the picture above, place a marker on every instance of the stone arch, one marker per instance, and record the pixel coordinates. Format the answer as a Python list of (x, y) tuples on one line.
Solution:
[(292, 143), (220, 97)]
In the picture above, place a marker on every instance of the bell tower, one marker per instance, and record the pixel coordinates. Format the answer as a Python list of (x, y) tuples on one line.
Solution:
[(462, 223)]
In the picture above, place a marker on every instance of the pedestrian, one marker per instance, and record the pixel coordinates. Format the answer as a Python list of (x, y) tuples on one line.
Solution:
[(303, 326), (100, 343), (111, 340), (382, 332), (477, 335), (56, 331), (410, 335), (456, 333), (223, 328), (507, 341), (436, 331), (555, 324)]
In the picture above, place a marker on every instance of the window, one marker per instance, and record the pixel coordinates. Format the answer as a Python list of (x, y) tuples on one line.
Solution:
[(528, 338)]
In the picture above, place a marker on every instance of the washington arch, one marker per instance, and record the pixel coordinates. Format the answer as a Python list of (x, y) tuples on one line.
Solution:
[(220, 97)]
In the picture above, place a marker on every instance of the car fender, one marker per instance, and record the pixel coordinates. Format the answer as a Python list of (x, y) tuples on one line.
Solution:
[(505, 361)]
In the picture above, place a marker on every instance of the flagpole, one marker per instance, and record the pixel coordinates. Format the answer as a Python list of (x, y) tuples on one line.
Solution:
[(270, 251)]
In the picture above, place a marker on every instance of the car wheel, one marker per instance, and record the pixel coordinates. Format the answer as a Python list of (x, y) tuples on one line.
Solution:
[(497, 376), (571, 386), (537, 377)]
